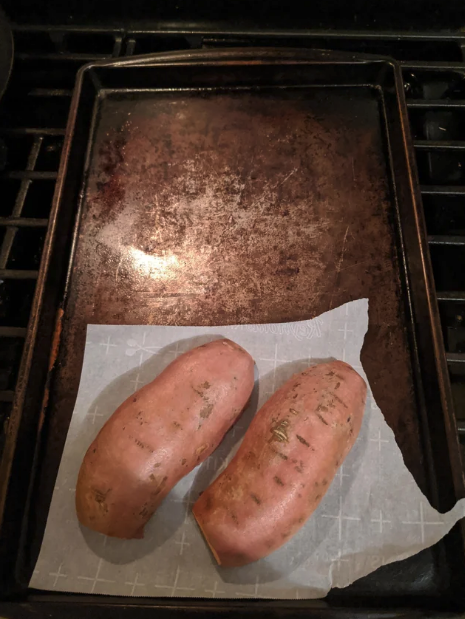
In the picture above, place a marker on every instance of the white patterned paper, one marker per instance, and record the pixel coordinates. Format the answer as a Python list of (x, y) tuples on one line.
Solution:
[(373, 514)]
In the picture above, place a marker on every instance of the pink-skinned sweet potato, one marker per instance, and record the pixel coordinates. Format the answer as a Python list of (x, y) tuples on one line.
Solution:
[(285, 464), (159, 434)]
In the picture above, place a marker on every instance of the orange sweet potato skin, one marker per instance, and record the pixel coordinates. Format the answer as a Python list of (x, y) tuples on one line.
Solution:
[(285, 464), (160, 434)]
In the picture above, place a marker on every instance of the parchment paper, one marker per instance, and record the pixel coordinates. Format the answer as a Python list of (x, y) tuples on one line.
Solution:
[(373, 514)]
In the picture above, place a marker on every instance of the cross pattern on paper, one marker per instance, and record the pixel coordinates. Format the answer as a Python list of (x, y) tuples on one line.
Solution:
[(340, 475), (141, 348), (175, 587), (379, 440), (183, 542), (135, 584), (275, 362), (218, 463), (107, 345), (96, 578), (215, 591), (340, 518), (136, 382), (94, 414), (422, 523), (345, 330), (338, 561), (381, 521), (176, 352), (58, 574), (255, 591), (187, 499)]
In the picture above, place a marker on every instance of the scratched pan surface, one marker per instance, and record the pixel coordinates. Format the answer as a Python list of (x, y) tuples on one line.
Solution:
[(251, 187)]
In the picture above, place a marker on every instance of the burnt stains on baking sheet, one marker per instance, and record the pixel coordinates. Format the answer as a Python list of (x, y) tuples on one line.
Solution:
[(222, 208)]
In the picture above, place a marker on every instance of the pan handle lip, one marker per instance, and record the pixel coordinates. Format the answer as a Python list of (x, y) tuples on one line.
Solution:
[(7, 50), (260, 55)]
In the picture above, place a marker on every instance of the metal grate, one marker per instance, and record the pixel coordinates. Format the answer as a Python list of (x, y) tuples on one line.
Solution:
[(32, 124)]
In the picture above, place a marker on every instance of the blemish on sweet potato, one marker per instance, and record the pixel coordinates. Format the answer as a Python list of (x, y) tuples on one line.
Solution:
[(317, 498), (337, 385), (279, 431), (293, 411), (145, 513), (134, 399), (278, 480), (338, 399), (322, 419), (206, 385), (255, 498), (324, 482), (100, 496), (176, 424), (183, 461), (206, 411), (302, 440), (208, 504), (201, 449), (156, 465)]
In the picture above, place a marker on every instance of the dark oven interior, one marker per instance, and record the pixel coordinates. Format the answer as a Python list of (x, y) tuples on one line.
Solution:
[(52, 43)]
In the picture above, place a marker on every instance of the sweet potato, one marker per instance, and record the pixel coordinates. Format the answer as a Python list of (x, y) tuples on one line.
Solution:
[(285, 464), (159, 434)]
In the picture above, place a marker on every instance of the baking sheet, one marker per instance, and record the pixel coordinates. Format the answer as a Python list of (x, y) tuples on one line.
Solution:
[(373, 514)]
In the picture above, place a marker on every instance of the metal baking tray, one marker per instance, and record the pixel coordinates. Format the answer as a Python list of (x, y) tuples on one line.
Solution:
[(234, 186)]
